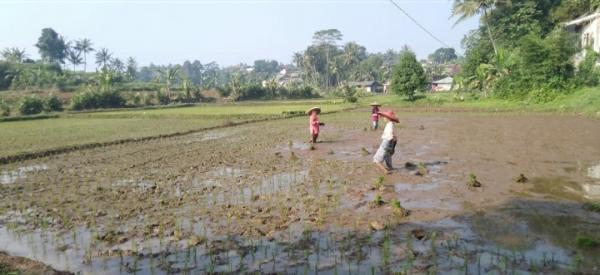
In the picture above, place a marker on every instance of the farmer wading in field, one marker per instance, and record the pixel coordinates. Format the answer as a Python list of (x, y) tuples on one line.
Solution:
[(375, 115), (314, 123), (388, 143)]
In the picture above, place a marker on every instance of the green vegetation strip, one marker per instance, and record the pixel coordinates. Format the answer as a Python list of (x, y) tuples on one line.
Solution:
[(21, 156)]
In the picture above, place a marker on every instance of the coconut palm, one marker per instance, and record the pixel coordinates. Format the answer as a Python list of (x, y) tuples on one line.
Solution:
[(131, 68), (103, 57), (14, 55), (464, 9), (74, 57), (84, 46)]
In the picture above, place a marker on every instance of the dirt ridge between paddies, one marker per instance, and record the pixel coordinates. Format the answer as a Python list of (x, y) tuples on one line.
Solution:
[(70, 148)]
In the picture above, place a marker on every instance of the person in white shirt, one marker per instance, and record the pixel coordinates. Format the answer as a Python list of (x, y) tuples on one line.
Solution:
[(383, 156)]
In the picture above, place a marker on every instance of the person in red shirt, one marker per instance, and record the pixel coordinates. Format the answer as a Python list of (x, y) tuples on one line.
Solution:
[(314, 123), (375, 115)]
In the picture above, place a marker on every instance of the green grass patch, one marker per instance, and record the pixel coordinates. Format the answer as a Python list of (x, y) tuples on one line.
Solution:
[(36, 135), (221, 110), (18, 137), (584, 101), (587, 242), (591, 206)]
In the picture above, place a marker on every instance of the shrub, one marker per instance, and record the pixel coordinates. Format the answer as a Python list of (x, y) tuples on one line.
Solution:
[(163, 98), (136, 99), (587, 74), (4, 108), (94, 99), (148, 99), (31, 105), (224, 91), (52, 103)]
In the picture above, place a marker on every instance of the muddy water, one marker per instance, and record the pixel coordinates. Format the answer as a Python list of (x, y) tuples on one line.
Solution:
[(244, 200)]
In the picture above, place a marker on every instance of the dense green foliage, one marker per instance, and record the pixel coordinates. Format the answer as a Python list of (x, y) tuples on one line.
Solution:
[(93, 99), (4, 108), (408, 75), (443, 55), (52, 104), (521, 50), (31, 105), (52, 46)]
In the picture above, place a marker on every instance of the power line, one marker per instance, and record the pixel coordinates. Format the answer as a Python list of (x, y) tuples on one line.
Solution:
[(419, 24)]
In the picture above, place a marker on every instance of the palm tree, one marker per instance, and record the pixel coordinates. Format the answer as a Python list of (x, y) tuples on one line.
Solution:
[(131, 68), (465, 9), (84, 46), (14, 55), (103, 57), (74, 57), (169, 75), (117, 65)]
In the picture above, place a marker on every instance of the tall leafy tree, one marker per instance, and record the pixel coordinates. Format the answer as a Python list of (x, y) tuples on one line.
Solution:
[(84, 46), (326, 40), (103, 57), (52, 46), (443, 55), (408, 75)]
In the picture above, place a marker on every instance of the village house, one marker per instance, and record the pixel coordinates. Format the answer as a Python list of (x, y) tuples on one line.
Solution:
[(442, 85), (286, 78), (587, 28), (367, 86)]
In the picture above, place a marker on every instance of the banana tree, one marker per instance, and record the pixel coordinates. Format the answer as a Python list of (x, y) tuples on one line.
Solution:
[(169, 75)]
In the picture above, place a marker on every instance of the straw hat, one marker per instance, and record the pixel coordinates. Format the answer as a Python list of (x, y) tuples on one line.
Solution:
[(389, 115), (375, 104), (313, 109)]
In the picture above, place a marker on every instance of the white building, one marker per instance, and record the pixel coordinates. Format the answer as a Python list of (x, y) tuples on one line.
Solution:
[(442, 85), (588, 29)]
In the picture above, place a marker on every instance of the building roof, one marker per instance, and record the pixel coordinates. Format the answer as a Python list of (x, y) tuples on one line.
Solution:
[(447, 80), (583, 19), (362, 83)]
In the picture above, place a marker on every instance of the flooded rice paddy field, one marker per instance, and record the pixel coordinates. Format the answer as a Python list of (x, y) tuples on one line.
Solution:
[(258, 198)]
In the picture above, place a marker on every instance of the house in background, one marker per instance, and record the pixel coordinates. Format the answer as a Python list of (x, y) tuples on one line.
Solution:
[(367, 86), (587, 28), (386, 87), (286, 78), (442, 85)]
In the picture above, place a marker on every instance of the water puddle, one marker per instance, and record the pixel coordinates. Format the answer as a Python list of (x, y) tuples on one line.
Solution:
[(276, 183), (594, 171), (431, 204), (560, 187), (210, 135), (141, 184), (9, 177), (400, 187)]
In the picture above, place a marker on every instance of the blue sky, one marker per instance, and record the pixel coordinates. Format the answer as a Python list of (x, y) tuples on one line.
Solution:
[(229, 32)]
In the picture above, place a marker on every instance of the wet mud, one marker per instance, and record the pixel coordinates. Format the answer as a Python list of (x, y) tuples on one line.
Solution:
[(259, 198)]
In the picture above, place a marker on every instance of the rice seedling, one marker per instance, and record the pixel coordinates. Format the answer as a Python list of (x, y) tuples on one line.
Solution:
[(473, 182), (421, 170), (377, 201), (398, 209), (378, 182)]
